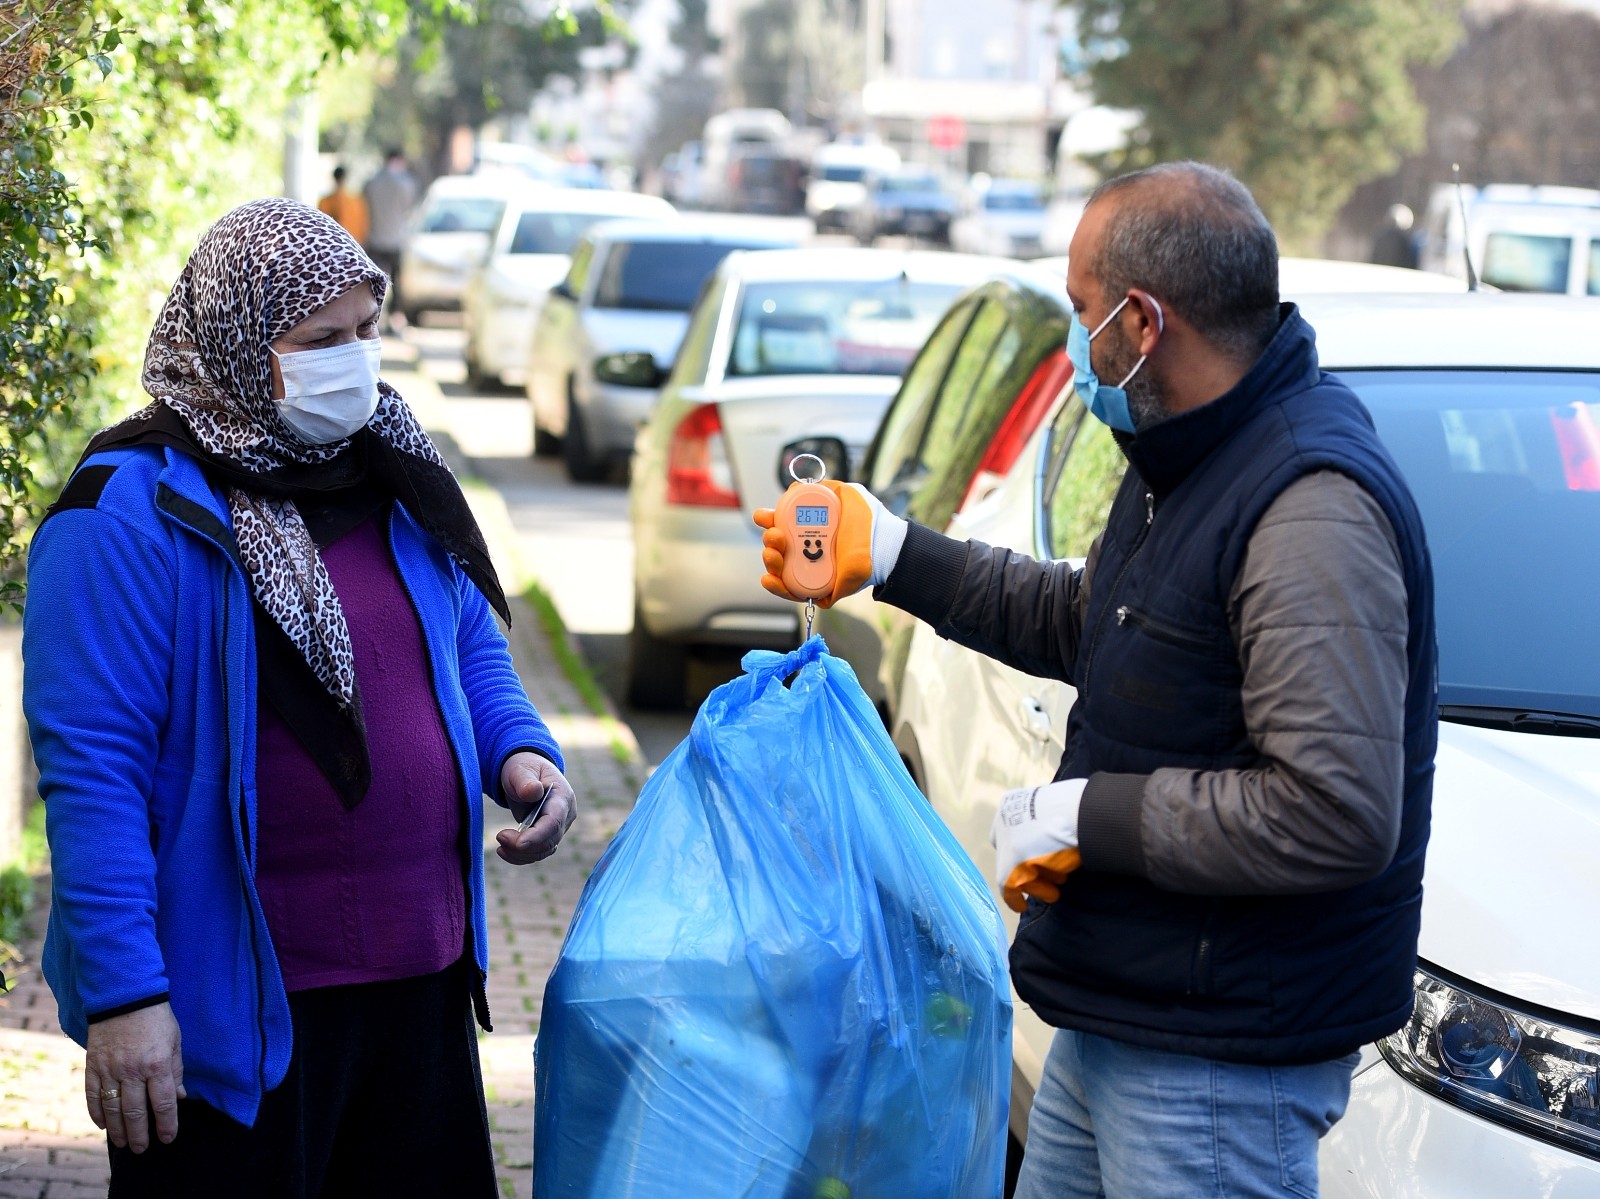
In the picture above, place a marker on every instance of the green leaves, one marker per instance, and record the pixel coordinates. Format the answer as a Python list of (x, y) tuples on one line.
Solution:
[(1304, 100)]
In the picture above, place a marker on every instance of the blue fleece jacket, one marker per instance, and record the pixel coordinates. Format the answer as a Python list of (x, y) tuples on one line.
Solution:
[(139, 687)]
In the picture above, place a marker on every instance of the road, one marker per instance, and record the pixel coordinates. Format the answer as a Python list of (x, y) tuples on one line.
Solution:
[(575, 537)]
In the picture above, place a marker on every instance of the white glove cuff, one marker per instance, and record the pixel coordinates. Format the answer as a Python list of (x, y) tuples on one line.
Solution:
[(888, 536)]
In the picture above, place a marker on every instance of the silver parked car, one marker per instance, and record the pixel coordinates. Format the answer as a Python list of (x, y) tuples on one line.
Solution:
[(628, 289), (781, 344), (530, 253)]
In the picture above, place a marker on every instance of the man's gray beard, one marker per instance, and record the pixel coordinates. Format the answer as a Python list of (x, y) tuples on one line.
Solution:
[(1145, 403)]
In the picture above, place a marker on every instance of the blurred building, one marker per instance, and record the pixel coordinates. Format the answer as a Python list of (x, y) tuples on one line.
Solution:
[(972, 85), (989, 71)]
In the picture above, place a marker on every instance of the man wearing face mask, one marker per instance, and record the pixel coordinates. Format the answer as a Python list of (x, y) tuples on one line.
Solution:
[(1220, 891), (266, 693)]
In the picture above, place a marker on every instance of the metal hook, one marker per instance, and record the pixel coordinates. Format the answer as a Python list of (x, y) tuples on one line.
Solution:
[(811, 616), (821, 473)]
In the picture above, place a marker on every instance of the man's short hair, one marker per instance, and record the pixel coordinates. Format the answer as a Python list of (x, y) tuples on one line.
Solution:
[(338, 174), (1193, 237)]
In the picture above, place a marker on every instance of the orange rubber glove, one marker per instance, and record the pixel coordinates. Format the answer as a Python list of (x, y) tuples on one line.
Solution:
[(1035, 837), (866, 544)]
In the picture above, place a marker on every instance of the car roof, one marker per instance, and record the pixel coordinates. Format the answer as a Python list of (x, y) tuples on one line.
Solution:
[(844, 262), (592, 200), (495, 186), (1305, 276), (1476, 330), (679, 228)]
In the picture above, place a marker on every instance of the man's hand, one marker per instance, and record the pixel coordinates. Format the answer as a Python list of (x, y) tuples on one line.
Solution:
[(1035, 837), (133, 1076), (527, 778), (866, 544)]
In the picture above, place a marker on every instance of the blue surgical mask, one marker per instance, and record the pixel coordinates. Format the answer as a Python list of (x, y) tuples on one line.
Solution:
[(1108, 404)]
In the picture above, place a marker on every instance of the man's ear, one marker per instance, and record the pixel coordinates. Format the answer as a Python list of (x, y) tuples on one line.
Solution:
[(1148, 321)]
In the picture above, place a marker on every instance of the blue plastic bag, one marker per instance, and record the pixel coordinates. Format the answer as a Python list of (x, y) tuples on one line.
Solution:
[(784, 979)]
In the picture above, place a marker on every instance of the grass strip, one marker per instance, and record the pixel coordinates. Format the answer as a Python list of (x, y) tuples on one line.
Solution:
[(576, 669), (567, 656)]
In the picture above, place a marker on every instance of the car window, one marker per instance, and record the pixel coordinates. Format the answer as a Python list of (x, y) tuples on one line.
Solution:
[(550, 232), (835, 326), (1594, 268), (901, 431), (1505, 470), (694, 355), (1527, 262), (965, 417), (578, 271), (1081, 479), (660, 276), (462, 214), (842, 174)]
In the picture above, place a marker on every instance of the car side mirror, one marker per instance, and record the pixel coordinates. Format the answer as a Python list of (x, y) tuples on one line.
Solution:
[(634, 368), (563, 290), (835, 457)]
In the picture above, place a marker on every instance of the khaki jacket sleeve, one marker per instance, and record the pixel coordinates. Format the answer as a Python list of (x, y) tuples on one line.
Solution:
[(1320, 619)]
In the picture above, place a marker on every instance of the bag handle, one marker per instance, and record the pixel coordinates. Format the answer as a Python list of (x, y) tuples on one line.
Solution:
[(763, 665)]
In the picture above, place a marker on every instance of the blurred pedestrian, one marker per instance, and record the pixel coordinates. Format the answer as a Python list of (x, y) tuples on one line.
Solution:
[(391, 194), (344, 206), (1395, 244), (266, 691), (1220, 891)]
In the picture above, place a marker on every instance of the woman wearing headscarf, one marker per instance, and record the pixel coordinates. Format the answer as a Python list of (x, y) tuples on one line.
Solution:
[(266, 690)]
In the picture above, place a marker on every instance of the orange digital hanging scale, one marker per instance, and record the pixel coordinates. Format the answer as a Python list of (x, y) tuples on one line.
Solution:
[(809, 514)]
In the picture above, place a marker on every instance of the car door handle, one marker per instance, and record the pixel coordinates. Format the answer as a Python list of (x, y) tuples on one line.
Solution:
[(1035, 719)]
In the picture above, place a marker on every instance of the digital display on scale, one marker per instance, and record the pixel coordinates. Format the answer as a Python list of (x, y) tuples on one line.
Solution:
[(811, 516)]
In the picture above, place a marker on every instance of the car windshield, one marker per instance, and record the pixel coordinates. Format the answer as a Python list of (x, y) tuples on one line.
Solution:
[(1505, 468), (836, 326), (1009, 201), (1527, 262), (551, 232), (837, 174), (911, 183), (463, 214), (663, 276)]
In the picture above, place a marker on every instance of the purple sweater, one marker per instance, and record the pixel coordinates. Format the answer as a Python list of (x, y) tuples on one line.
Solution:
[(374, 892)]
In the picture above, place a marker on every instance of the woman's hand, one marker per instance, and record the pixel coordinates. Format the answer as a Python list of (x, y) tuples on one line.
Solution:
[(133, 1076), (526, 778)]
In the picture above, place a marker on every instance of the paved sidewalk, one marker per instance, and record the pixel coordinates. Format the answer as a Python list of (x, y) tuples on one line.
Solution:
[(48, 1147)]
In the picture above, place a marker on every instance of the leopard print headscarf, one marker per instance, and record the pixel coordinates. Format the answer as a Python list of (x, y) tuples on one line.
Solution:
[(259, 271)]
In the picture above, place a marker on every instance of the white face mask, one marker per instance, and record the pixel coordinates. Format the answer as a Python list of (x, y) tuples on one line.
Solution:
[(329, 394)]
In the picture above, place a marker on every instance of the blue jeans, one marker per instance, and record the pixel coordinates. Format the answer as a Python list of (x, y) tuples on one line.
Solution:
[(1116, 1121)]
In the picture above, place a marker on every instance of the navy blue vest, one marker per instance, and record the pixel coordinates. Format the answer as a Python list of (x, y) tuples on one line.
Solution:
[(1252, 979)]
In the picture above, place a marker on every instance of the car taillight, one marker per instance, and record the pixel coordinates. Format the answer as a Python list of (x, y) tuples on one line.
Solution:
[(698, 469), (1027, 410)]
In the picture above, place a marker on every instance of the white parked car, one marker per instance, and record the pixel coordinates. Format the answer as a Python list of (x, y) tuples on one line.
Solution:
[(1522, 238), (1002, 216), (628, 290), (837, 186), (454, 222), (781, 344), (1491, 406), (529, 254)]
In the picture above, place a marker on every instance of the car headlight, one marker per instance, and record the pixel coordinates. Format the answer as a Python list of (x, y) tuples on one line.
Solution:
[(1529, 1072)]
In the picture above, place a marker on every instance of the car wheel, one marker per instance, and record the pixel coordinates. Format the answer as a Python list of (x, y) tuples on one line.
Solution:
[(477, 378), (545, 443), (583, 466), (657, 669)]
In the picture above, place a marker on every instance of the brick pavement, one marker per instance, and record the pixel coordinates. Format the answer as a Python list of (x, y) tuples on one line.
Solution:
[(48, 1147)]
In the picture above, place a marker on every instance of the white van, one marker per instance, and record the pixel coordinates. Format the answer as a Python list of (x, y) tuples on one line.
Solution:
[(1523, 238), (837, 185)]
